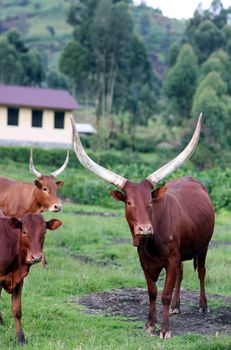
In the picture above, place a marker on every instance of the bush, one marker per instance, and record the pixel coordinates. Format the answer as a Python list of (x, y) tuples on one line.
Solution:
[(84, 187)]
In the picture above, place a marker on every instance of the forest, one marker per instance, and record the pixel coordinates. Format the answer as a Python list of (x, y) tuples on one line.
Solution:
[(133, 70)]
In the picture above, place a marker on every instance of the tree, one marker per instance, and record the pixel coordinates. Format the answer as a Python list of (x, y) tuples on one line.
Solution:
[(211, 99), (74, 63), (218, 62), (181, 80), (18, 64), (172, 54), (134, 91), (15, 39), (56, 80), (33, 72), (11, 70), (105, 29), (207, 39)]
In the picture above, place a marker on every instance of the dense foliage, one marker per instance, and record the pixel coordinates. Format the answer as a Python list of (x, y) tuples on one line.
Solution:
[(107, 62), (85, 188), (207, 36), (18, 64)]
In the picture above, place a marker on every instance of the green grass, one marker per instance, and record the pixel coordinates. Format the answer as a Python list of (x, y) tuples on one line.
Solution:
[(52, 320)]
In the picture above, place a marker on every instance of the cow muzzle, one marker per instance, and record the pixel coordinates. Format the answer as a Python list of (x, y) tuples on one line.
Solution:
[(56, 207), (34, 258), (144, 230)]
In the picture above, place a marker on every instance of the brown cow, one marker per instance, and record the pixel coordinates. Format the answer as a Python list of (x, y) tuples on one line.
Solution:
[(169, 225), (21, 246), (18, 198)]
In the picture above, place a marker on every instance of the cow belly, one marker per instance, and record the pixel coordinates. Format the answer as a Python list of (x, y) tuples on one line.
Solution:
[(194, 249)]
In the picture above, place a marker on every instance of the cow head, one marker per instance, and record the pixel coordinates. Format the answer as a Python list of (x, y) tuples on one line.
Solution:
[(136, 196), (138, 208), (33, 228), (47, 187)]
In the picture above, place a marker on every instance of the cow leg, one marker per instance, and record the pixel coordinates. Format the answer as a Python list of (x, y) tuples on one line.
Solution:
[(1, 319), (16, 310), (175, 304), (201, 275), (171, 275), (152, 292)]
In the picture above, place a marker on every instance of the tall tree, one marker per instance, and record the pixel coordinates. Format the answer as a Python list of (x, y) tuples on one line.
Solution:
[(104, 28), (11, 70), (18, 64), (74, 64), (208, 37), (181, 80), (219, 62)]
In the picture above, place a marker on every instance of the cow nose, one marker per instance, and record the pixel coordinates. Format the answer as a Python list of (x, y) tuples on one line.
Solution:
[(36, 258), (145, 230), (57, 207)]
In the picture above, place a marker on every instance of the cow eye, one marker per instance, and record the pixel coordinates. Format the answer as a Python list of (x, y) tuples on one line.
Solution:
[(23, 232), (129, 203), (45, 189)]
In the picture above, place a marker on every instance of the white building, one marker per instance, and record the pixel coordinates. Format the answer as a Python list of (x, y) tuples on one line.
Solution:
[(35, 116)]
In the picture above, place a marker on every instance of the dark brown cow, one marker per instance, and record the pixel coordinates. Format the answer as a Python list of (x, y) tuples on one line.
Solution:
[(21, 246), (169, 225), (18, 198)]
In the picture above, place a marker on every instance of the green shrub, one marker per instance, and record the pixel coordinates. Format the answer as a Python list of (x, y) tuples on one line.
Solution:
[(83, 187)]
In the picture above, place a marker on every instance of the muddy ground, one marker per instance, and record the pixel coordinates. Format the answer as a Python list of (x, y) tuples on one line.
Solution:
[(133, 304)]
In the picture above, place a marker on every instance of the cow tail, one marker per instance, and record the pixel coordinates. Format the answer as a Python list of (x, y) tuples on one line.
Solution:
[(195, 263)]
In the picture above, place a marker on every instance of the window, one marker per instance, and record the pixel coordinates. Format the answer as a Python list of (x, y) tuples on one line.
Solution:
[(37, 118), (59, 120), (12, 116)]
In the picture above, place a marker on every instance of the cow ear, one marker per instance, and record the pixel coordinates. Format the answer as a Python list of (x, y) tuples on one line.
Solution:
[(53, 224), (15, 223), (117, 195), (38, 184), (158, 192), (60, 183)]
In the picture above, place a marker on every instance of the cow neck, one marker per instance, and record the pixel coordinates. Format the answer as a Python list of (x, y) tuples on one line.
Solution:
[(35, 206), (20, 269)]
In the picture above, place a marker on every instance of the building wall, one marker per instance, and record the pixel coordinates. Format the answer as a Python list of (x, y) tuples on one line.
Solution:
[(25, 134)]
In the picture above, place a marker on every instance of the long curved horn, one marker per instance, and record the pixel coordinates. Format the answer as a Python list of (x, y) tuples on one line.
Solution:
[(55, 173), (31, 166), (168, 168), (62, 168), (89, 164)]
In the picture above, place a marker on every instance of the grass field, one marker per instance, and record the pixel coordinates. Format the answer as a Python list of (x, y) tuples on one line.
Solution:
[(53, 321)]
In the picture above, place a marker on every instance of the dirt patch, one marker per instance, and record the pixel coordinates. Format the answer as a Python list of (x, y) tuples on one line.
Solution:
[(215, 244), (95, 213), (88, 260), (133, 303)]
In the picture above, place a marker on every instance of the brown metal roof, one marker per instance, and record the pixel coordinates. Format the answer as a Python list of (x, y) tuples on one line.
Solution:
[(24, 96)]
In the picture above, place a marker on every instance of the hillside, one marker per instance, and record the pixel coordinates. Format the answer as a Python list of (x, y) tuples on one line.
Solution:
[(43, 25)]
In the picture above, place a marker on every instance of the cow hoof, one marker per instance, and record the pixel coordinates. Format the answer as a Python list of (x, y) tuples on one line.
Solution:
[(166, 335), (22, 341), (21, 338), (149, 330), (203, 310), (174, 311)]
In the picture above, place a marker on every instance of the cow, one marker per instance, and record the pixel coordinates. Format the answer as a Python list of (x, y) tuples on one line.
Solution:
[(18, 198), (169, 225), (21, 246)]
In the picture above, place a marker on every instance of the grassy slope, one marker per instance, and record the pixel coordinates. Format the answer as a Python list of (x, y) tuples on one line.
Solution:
[(52, 321), (34, 18)]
